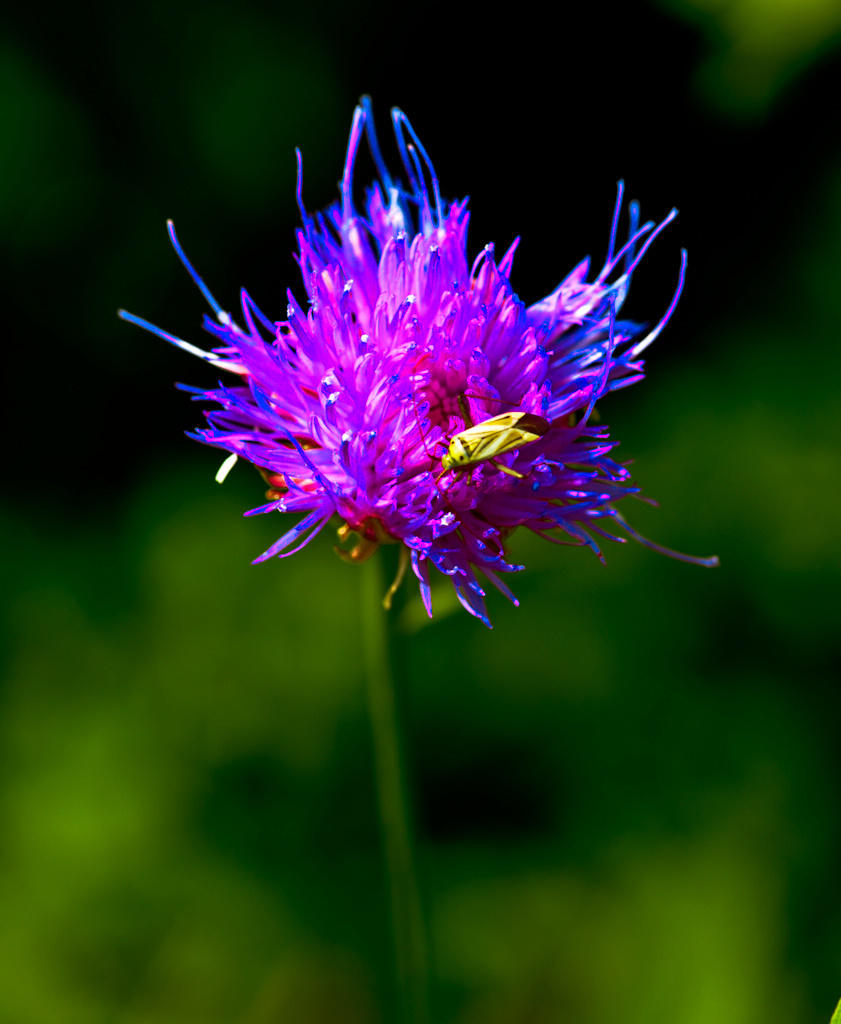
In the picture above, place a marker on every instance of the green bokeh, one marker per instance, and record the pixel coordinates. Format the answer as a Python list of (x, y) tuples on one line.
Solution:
[(756, 49), (628, 791)]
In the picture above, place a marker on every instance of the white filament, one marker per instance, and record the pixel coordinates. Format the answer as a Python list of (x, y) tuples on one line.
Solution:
[(226, 468)]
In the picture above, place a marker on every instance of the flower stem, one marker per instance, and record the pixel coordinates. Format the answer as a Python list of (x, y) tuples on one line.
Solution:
[(406, 913)]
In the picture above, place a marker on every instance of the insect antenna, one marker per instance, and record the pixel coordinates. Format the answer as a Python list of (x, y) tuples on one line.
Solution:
[(429, 454), (420, 430), (502, 401), (486, 398)]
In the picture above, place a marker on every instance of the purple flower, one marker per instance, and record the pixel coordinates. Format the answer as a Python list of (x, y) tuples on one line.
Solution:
[(348, 406)]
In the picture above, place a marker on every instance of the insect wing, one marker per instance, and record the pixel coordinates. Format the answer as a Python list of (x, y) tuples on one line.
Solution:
[(527, 426), (488, 439), (533, 426), (504, 421), (502, 441)]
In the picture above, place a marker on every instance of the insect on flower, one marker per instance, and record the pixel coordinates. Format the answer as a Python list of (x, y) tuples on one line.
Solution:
[(403, 350), (491, 438)]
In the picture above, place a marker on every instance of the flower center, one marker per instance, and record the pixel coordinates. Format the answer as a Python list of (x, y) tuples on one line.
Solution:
[(443, 404)]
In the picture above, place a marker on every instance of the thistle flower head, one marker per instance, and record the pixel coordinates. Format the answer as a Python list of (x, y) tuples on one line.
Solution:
[(415, 396)]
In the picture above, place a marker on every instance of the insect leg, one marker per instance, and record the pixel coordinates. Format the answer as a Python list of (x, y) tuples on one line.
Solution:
[(506, 469), (464, 409)]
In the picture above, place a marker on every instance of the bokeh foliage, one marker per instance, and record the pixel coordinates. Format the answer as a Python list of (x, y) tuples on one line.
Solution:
[(757, 48), (628, 792)]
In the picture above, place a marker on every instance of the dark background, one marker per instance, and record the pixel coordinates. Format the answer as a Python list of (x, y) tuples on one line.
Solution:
[(628, 792)]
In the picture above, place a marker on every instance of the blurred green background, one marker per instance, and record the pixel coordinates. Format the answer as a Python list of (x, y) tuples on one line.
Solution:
[(628, 793)]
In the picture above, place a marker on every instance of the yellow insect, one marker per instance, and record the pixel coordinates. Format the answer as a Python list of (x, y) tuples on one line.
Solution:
[(483, 442)]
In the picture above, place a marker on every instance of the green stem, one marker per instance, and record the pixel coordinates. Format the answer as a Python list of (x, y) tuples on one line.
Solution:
[(407, 916)]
